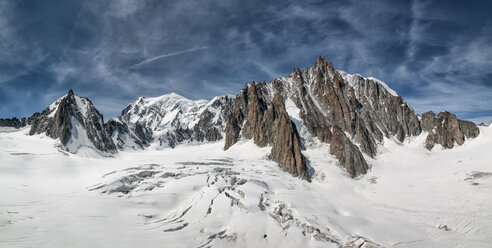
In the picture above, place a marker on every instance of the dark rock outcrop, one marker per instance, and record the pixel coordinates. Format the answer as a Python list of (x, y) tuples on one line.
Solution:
[(469, 129), (446, 129), (123, 136), (364, 109), (14, 122), (347, 153), (267, 123), (428, 121)]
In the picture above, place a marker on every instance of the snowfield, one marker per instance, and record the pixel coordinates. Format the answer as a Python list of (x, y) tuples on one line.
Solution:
[(203, 196)]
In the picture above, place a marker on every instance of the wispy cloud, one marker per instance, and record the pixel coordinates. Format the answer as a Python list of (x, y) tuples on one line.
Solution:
[(428, 51), (166, 55)]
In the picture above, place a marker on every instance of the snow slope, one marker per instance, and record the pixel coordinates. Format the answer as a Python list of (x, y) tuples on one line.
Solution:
[(159, 112), (200, 196), (351, 79), (82, 103)]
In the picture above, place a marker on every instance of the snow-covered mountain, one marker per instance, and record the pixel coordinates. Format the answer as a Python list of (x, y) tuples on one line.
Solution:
[(73, 120), (166, 121), (173, 119)]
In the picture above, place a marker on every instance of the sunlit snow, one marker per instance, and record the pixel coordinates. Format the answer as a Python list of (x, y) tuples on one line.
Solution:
[(200, 195)]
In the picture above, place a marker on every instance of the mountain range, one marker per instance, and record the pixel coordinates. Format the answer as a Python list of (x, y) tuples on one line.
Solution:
[(320, 104)]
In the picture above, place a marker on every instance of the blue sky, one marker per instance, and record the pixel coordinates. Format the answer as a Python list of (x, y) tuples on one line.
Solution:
[(436, 54)]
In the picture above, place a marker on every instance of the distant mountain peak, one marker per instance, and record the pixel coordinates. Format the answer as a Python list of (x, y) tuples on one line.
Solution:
[(174, 119)]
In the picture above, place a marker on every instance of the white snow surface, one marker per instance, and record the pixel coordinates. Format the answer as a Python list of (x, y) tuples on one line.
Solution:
[(201, 195), (54, 106), (351, 80), (159, 112), (79, 138), (82, 105)]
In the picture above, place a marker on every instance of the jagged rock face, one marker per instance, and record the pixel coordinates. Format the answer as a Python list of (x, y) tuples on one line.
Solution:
[(14, 122), (76, 122), (286, 143), (365, 109), (123, 136), (267, 124), (469, 129), (446, 129), (428, 121), (350, 112), (347, 153), (73, 120), (172, 119), (236, 117)]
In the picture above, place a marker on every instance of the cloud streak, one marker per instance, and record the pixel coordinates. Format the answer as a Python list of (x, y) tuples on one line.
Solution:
[(153, 59)]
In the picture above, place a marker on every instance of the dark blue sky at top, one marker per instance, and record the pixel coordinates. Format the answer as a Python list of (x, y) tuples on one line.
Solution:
[(436, 54)]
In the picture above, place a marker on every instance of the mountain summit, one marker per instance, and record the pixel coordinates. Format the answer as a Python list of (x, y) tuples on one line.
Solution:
[(73, 120), (350, 112)]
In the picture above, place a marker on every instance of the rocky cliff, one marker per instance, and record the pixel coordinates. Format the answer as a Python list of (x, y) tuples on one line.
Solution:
[(335, 107), (124, 136), (447, 130), (351, 112), (267, 123)]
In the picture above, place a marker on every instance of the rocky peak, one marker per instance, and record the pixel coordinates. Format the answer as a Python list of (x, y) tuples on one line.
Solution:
[(71, 119), (266, 122), (351, 112), (446, 129), (366, 109), (75, 121)]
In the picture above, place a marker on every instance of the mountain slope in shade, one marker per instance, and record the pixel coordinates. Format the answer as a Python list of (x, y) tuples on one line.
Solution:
[(123, 136)]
